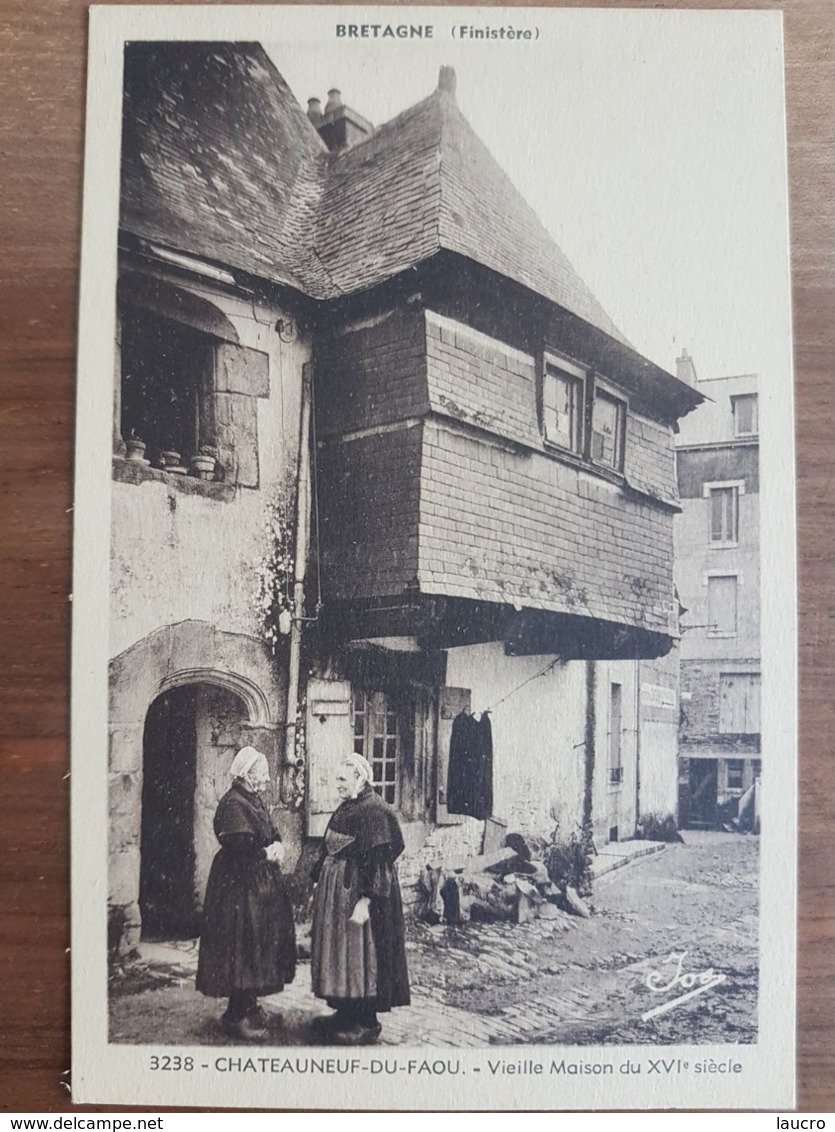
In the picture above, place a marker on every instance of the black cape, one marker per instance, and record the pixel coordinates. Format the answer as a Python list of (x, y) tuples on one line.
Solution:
[(248, 939)]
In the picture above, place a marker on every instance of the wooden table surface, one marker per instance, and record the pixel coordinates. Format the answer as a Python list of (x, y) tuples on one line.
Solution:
[(42, 76)]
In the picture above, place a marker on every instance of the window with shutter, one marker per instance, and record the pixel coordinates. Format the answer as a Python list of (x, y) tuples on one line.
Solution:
[(739, 703), (722, 605)]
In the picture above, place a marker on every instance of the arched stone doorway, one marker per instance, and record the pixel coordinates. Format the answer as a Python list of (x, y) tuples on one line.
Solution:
[(191, 734)]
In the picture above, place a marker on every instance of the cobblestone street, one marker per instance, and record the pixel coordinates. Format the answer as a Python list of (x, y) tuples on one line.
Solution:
[(569, 981)]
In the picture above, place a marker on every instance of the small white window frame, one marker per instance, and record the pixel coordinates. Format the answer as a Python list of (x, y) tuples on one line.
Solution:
[(738, 434), (718, 485)]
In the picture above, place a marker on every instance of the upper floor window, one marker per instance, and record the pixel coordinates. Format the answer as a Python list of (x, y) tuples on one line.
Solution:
[(187, 392), (724, 514), (744, 408), (562, 408), (581, 414), (167, 387), (608, 429), (722, 605)]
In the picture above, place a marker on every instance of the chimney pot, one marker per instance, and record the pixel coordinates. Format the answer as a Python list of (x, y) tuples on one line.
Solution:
[(447, 80), (685, 369), (314, 110), (334, 100)]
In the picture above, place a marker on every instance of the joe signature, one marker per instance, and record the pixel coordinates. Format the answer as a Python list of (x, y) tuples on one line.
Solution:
[(691, 983)]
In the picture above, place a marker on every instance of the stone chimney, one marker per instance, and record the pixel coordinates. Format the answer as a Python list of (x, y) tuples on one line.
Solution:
[(339, 126), (685, 370), (447, 80), (314, 111)]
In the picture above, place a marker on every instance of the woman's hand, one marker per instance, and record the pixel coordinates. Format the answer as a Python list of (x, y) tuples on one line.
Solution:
[(360, 914), (275, 852)]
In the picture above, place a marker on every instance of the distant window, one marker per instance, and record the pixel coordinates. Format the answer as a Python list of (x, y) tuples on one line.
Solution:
[(608, 425), (736, 770), (724, 514), (745, 414), (167, 385), (377, 733), (562, 408), (722, 605), (739, 703)]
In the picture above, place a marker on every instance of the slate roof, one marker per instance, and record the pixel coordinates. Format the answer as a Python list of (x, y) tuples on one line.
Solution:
[(425, 183), (220, 160)]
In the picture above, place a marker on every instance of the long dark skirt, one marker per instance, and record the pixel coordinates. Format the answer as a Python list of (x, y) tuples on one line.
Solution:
[(248, 938), (350, 962)]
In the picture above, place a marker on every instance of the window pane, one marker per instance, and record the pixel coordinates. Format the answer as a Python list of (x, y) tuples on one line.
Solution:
[(607, 430), (745, 414), (721, 602), (561, 402), (167, 374), (723, 514), (736, 769), (377, 737)]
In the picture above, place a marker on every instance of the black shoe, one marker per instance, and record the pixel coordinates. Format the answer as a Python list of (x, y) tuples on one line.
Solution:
[(244, 1030), (262, 1018), (356, 1035)]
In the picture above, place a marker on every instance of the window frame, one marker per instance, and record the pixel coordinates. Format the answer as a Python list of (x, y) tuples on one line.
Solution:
[(390, 790), (603, 390), (197, 390), (735, 767), (717, 634), (561, 369), (753, 399), (591, 388), (708, 490)]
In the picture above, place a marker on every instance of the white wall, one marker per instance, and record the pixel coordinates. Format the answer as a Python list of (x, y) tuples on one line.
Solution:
[(538, 733)]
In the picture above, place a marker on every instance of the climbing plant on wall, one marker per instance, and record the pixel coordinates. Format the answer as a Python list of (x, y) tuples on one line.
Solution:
[(274, 600)]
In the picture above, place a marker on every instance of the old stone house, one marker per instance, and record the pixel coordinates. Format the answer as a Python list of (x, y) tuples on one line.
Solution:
[(459, 475)]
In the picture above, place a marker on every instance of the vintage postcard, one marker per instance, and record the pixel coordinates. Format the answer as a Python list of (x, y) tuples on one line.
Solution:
[(434, 655)]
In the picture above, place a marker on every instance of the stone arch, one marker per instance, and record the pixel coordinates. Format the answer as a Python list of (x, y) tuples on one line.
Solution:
[(185, 653), (246, 689), (178, 303)]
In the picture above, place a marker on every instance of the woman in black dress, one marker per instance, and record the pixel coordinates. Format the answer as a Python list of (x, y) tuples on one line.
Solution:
[(247, 945), (358, 960)]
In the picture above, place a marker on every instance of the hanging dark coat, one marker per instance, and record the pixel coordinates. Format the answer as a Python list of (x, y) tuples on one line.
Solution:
[(470, 766), (247, 942), (350, 961)]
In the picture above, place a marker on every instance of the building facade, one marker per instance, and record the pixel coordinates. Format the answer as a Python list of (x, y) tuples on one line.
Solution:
[(437, 485), (718, 580)]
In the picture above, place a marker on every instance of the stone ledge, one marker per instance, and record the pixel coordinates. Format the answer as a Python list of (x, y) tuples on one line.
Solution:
[(132, 472)]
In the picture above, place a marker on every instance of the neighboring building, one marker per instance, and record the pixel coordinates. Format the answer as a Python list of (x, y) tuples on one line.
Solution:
[(718, 578), (491, 468)]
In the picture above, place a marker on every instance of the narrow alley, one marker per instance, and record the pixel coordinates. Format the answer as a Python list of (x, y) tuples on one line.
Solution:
[(673, 936)]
